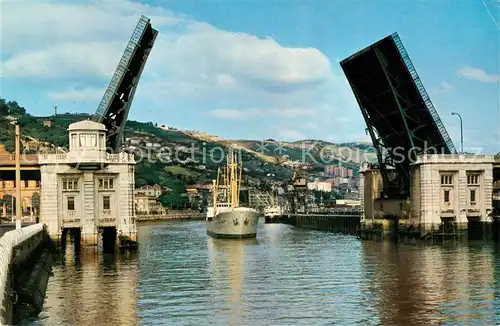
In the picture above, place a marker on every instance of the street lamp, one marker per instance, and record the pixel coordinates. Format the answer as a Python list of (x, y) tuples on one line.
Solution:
[(461, 132)]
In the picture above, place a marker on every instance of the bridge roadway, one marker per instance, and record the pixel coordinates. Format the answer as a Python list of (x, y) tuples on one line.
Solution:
[(29, 162)]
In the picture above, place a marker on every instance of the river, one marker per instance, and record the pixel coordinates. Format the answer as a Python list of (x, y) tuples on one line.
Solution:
[(287, 276)]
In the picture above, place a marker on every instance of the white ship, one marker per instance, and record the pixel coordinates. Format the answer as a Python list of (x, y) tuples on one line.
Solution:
[(225, 217), (274, 210), (272, 213)]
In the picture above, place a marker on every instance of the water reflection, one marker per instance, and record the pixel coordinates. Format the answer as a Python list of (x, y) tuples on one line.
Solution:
[(227, 259), (286, 276), (422, 285), (91, 289)]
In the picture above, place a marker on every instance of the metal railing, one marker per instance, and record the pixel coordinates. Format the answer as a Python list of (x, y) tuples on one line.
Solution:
[(335, 211), (122, 67), (423, 93), (8, 242)]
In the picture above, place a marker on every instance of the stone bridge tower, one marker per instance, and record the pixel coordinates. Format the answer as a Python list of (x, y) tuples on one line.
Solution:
[(88, 190)]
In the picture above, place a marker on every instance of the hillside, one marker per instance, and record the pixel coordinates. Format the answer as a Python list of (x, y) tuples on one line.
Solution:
[(175, 158)]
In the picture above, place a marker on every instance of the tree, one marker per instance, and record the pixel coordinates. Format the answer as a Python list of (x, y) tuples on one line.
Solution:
[(4, 109), (35, 202), (10, 203), (15, 108), (174, 200)]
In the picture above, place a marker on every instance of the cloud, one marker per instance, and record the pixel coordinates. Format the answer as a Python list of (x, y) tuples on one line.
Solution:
[(194, 69), (64, 60), (81, 95), (290, 135), (478, 75), (444, 85)]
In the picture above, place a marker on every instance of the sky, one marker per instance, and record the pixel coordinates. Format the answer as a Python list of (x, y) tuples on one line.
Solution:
[(254, 69)]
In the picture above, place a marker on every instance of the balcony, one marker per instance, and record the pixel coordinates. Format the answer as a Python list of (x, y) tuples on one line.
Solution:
[(447, 212), (71, 220), (473, 212), (106, 218), (88, 158)]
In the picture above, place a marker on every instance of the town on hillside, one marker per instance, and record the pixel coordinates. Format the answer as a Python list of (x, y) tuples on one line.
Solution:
[(183, 179)]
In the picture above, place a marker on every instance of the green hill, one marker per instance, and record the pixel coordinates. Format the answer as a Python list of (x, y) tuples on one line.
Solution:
[(176, 159)]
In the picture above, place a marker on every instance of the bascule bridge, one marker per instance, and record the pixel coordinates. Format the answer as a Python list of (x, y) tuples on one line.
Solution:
[(419, 177)]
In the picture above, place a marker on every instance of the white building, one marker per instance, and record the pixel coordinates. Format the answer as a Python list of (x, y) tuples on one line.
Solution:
[(87, 188), (456, 187), (320, 186)]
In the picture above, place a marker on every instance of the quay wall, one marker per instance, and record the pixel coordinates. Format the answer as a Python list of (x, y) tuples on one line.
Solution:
[(171, 216), (25, 266), (347, 223)]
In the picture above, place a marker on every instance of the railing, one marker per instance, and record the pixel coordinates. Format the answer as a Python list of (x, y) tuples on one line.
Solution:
[(171, 216), (122, 67), (26, 159), (335, 211), (107, 221), (72, 158), (8, 242), (71, 222), (423, 93)]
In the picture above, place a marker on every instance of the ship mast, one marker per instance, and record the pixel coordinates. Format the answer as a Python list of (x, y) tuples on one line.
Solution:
[(215, 186), (239, 179)]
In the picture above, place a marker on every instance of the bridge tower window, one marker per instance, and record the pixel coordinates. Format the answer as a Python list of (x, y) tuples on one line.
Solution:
[(447, 196), (73, 140), (106, 183), (106, 202), (71, 203), (70, 184)]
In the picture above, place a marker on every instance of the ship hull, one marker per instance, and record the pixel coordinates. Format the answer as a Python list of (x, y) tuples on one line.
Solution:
[(272, 218), (236, 223)]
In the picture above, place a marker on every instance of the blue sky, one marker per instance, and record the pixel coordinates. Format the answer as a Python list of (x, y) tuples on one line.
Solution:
[(255, 69)]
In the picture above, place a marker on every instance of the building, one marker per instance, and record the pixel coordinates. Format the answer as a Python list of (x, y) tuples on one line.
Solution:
[(30, 192), (148, 205), (338, 171), (146, 200), (153, 191), (30, 187), (450, 187), (87, 188), (320, 186), (444, 188)]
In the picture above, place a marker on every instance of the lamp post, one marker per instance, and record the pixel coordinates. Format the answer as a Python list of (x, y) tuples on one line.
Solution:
[(461, 132), (18, 176)]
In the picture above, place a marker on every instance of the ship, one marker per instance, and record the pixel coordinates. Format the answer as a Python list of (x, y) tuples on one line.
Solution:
[(226, 218), (273, 213)]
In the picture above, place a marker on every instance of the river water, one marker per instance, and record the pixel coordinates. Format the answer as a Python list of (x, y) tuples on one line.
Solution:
[(286, 276)]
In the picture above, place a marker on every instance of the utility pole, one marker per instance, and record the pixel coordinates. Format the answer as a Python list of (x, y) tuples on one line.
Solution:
[(461, 132), (18, 177)]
